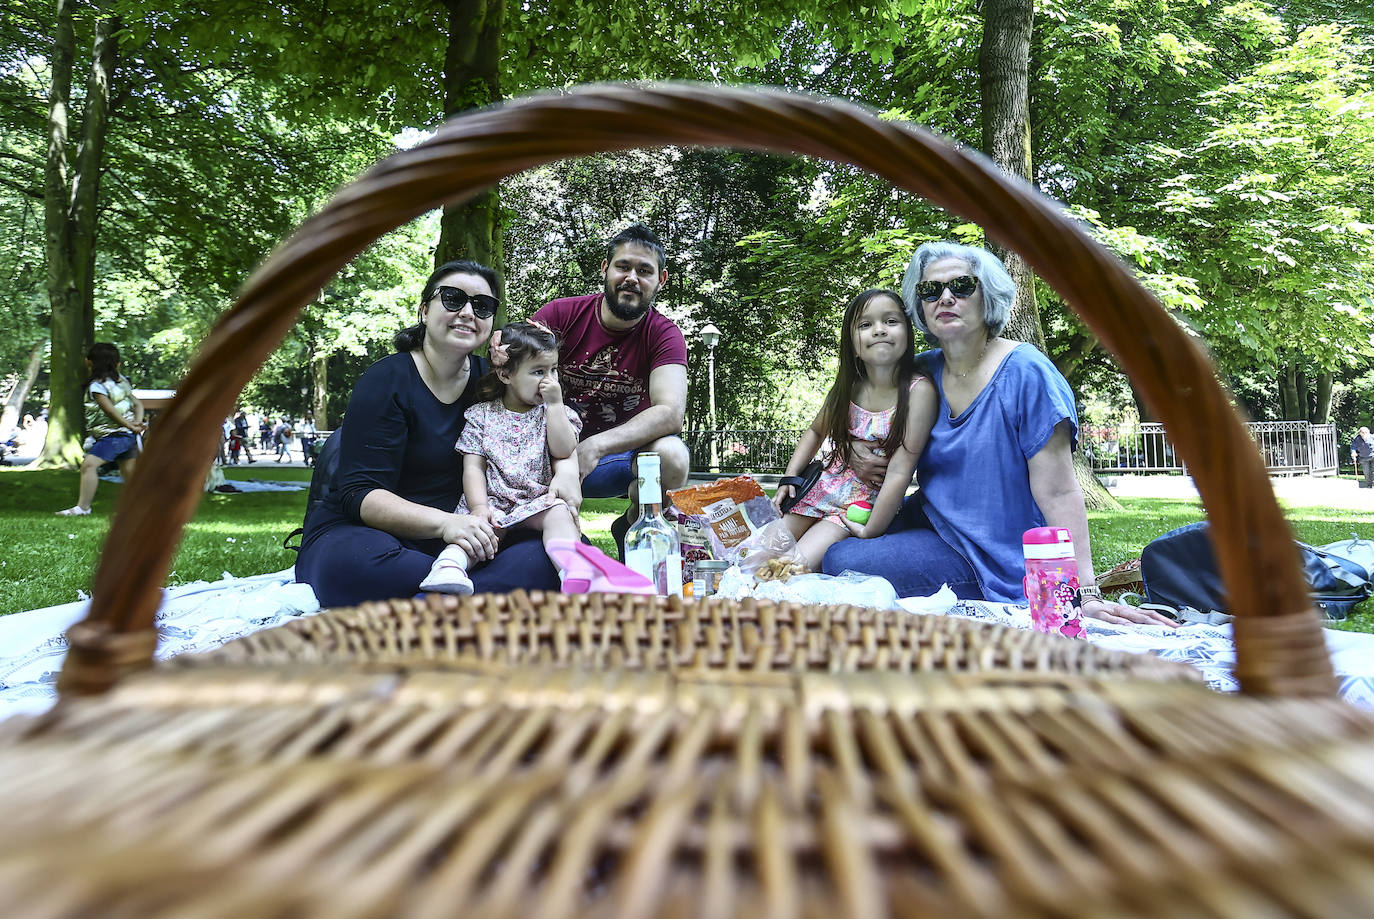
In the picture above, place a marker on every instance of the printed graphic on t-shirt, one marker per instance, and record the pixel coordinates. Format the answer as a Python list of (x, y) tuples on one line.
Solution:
[(602, 393)]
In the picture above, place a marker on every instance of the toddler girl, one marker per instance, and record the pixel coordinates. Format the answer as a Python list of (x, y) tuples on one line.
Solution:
[(114, 418), (510, 444), (879, 398)]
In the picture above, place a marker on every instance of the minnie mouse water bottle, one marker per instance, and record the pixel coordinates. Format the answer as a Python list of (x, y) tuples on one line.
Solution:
[(1052, 581)]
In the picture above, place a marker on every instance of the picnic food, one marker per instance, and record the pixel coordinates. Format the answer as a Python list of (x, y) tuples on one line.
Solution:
[(735, 508), (779, 569)]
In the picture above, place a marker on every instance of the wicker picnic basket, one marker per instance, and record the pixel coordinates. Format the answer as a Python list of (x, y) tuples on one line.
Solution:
[(548, 756)]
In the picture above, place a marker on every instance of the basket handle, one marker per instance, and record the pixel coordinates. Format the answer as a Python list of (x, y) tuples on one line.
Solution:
[(1279, 643)]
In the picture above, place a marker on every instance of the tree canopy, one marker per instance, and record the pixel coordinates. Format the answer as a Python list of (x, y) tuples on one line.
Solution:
[(1226, 152)]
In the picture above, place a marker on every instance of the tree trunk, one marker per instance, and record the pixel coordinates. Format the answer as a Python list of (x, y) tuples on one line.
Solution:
[(1003, 70), (9, 416), (1321, 414), (472, 78), (319, 390), (65, 416), (1004, 77), (1288, 393), (95, 122), (1301, 410)]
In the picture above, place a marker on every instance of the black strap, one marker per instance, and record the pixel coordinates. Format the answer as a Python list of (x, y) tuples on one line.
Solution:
[(794, 480)]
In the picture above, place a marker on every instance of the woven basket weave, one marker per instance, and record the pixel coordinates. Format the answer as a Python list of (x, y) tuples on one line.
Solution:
[(550, 756)]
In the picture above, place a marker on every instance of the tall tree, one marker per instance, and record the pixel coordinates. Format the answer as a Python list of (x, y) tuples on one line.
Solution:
[(1004, 78), (71, 195)]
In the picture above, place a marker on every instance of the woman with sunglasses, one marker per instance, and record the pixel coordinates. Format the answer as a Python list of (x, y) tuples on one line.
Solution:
[(389, 510), (999, 459)]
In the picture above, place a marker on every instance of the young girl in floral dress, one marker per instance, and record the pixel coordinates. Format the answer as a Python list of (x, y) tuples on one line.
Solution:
[(878, 397), (511, 443)]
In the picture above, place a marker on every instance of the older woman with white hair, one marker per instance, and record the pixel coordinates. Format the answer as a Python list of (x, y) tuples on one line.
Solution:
[(999, 460)]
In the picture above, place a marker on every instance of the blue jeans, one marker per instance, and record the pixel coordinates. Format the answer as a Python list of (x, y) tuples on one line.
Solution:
[(910, 554), (612, 476), (349, 564)]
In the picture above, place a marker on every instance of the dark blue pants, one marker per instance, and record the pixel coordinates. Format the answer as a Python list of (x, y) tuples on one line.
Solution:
[(349, 564), (910, 554)]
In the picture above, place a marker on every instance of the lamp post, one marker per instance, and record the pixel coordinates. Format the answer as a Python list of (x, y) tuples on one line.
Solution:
[(710, 336)]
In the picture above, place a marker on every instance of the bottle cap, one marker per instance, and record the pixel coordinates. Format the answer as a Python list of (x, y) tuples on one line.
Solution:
[(1047, 543)]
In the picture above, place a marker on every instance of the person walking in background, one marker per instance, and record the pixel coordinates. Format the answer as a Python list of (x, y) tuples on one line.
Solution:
[(1362, 452), (240, 439), (285, 437), (114, 417), (307, 431), (265, 432)]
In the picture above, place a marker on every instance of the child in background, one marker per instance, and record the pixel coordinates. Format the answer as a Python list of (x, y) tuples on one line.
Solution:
[(511, 443), (877, 397), (114, 418)]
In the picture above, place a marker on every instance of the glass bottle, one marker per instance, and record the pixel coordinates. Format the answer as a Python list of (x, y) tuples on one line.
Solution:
[(651, 544)]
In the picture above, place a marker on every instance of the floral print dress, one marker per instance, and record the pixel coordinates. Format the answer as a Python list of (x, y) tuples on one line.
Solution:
[(516, 448), (838, 486)]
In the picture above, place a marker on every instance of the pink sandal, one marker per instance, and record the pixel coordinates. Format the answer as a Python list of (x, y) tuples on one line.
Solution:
[(612, 576), (586, 569), (575, 572)]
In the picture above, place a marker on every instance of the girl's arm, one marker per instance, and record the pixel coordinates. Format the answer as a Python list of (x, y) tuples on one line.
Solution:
[(562, 438), (921, 407), (138, 410), (810, 442), (475, 485), (108, 408)]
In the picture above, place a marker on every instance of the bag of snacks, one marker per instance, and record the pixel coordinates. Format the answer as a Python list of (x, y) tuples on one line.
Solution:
[(694, 535), (771, 554), (735, 508)]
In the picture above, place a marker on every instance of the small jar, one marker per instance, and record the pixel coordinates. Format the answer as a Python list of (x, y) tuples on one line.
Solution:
[(707, 577)]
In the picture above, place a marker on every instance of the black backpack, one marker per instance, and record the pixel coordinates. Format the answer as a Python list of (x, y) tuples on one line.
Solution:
[(321, 481), (1180, 569)]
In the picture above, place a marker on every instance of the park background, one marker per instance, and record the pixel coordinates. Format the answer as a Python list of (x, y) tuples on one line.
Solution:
[(150, 157)]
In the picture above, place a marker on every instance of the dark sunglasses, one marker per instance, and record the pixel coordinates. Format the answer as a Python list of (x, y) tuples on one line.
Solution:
[(484, 306), (962, 286)]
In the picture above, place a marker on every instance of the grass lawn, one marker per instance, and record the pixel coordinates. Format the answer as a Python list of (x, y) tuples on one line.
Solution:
[(48, 560)]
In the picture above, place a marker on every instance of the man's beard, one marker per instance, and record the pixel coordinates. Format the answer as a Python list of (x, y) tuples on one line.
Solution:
[(627, 313)]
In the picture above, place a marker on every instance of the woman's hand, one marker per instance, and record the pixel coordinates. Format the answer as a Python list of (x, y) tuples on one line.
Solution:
[(868, 464), (1121, 614), (471, 533), (782, 494)]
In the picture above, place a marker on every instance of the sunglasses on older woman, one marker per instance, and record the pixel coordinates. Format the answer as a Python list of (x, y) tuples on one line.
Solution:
[(962, 287), (454, 299)]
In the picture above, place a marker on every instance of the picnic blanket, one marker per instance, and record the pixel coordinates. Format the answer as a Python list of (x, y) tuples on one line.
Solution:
[(198, 617), (192, 617), (1209, 648)]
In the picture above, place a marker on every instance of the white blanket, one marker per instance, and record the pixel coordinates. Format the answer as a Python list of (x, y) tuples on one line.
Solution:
[(201, 616), (1206, 647), (193, 617)]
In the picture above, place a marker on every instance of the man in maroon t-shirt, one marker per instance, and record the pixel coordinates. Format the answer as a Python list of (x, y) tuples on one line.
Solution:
[(623, 367)]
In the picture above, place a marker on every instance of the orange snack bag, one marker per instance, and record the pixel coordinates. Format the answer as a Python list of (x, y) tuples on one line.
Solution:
[(734, 508)]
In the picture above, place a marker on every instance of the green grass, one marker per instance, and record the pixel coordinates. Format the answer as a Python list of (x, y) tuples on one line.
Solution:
[(48, 560), (1119, 536)]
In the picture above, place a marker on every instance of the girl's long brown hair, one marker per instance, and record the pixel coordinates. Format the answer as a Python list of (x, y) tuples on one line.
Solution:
[(835, 411)]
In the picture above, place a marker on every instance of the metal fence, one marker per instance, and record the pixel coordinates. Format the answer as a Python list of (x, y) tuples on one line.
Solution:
[(1288, 448), (734, 451)]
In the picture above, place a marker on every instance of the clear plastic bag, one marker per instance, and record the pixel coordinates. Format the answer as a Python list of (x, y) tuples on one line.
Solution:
[(769, 554), (850, 588)]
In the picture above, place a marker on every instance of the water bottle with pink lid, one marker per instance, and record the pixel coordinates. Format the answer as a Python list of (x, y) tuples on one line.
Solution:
[(1052, 581)]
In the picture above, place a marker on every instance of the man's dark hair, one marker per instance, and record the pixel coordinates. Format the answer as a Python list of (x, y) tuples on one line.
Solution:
[(641, 235)]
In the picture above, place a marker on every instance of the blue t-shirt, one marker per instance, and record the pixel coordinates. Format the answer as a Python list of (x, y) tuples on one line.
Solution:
[(974, 472)]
